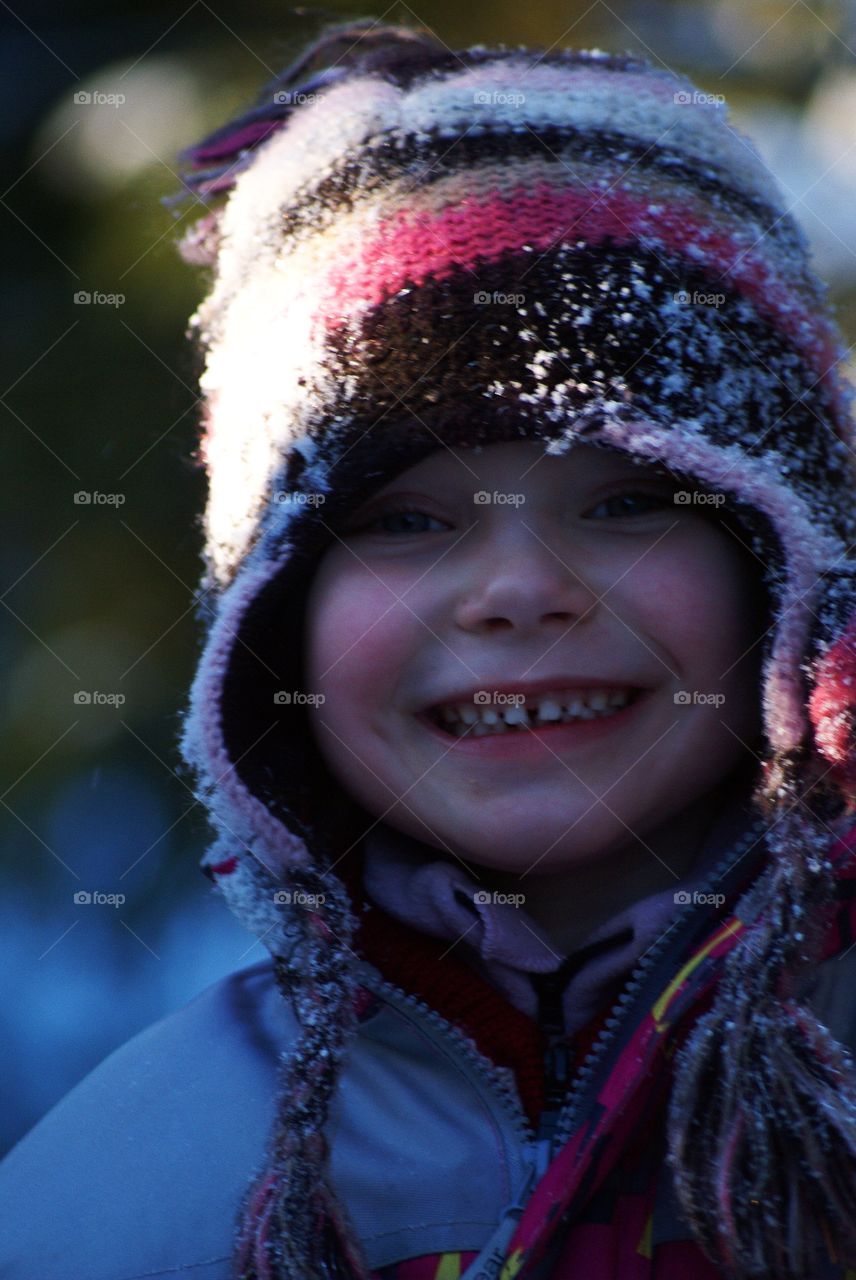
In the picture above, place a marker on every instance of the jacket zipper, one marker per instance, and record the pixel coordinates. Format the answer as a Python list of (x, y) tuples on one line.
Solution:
[(586, 1081), (499, 1078), (558, 1117), (500, 1081), (557, 1057), (557, 1063)]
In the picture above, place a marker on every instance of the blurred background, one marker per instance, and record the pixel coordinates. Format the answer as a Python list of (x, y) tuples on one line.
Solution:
[(98, 631)]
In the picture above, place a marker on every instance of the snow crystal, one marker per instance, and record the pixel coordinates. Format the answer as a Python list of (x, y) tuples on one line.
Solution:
[(541, 357), (306, 447), (675, 381)]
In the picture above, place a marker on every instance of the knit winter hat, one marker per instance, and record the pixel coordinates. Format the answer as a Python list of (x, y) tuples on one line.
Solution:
[(422, 248)]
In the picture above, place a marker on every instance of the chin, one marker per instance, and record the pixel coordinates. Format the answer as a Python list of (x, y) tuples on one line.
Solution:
[(516, 849)]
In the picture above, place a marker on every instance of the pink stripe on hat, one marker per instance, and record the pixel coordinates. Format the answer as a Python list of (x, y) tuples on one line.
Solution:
[(412, 245)]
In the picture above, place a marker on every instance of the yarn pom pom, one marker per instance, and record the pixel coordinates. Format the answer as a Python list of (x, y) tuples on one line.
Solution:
[(832, 709)]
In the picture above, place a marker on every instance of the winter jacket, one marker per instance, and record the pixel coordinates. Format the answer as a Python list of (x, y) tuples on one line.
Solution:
[(435, 1143)]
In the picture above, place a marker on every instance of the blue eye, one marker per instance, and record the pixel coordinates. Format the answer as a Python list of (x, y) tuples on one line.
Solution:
[(661, 500), (412, 519), (412, 515)]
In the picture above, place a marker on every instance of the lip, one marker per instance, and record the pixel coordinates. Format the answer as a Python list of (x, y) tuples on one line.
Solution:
[(528, 742), (531, 688)]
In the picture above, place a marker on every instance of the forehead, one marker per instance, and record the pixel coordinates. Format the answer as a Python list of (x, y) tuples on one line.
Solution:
[(525, 457)]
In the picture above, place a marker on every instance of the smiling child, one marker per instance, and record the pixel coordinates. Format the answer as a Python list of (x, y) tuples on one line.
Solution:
[(525, 715), (589, 573)]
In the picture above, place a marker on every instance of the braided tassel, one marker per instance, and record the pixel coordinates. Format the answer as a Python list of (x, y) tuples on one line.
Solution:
[(291, 1226), (762, 1118)]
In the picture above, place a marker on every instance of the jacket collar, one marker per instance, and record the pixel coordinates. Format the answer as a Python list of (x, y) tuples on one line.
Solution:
[(434, 895)]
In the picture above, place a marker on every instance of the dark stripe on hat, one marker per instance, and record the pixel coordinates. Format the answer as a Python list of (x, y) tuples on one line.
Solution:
[(421, 160), (608, 323)]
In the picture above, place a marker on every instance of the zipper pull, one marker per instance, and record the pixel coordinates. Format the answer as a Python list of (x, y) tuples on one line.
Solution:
[(557, 1075), (557, 1060), (493, 1255)]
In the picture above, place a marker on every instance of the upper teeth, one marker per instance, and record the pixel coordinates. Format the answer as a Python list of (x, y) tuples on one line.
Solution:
[(556, 705)]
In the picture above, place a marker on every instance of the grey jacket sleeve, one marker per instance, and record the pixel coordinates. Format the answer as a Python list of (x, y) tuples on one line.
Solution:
[(139, 1170)]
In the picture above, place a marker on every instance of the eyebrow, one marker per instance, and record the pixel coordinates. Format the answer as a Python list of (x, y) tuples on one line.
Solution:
[(625, 468)]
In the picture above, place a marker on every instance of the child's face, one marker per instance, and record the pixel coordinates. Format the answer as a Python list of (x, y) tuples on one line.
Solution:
[(459, 596)]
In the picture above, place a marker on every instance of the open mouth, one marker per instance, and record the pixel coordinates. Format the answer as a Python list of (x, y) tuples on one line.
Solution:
[(518, 715)]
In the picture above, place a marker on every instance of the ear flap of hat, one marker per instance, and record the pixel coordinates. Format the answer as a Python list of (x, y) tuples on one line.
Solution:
[(831, 672)]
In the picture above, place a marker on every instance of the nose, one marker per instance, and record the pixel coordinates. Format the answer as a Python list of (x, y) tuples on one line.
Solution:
[(524, 587)]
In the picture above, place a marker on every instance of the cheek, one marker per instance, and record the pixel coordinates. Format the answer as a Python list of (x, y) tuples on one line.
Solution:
[(729, 598), (354, 629), (697, 600)]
